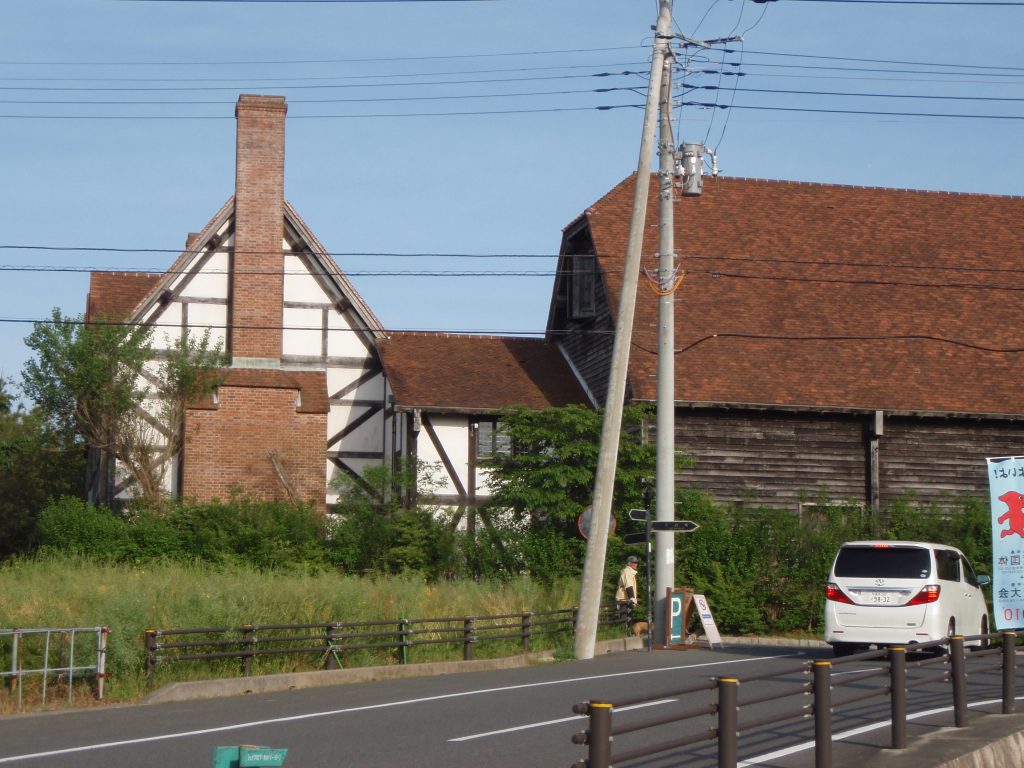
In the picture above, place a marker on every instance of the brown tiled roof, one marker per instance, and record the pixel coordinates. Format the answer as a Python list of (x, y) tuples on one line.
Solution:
[(312, 386), (814, 295), (114, 295), (476, 373)]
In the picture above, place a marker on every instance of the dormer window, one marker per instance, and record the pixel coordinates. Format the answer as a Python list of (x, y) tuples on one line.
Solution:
[(583, 287)]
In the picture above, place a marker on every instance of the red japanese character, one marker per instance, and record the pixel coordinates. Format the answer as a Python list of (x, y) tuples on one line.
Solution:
[(1014, 516)]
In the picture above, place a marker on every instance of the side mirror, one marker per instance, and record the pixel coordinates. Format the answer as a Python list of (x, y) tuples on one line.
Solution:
[(984, 580)]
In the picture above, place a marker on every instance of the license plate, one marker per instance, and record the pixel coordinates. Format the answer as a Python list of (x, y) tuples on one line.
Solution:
[(879, 598)]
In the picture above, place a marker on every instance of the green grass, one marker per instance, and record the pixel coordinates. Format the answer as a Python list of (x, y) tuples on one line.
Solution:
[(65, 591)]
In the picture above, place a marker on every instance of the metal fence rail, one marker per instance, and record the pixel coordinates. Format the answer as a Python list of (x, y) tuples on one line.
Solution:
[(330, 641), (54, 655), (890, 681)]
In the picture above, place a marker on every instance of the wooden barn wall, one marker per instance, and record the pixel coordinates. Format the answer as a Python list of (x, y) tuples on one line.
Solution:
[(939, 459), (589, 347), (778, 460), (784, 459)]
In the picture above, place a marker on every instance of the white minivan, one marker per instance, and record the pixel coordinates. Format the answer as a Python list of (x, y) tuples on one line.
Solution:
[(901, 593)]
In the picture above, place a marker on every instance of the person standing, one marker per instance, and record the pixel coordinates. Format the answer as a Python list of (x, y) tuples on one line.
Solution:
[(626, 592)]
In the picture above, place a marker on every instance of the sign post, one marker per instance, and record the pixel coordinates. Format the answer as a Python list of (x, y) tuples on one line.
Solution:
[(673, 526)]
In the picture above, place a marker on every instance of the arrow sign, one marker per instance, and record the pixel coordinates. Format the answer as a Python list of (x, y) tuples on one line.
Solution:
[(639, 514), (679, 526), (635, 538)]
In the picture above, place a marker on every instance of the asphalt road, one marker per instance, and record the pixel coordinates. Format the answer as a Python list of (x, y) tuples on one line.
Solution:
[(518, 717)]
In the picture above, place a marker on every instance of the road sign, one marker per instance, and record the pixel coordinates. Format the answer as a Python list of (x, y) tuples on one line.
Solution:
[(639, 514), (678, 526), (583, 522), (634, 538)]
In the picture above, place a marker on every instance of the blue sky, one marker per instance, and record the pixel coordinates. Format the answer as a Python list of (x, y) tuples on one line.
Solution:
[(373, 174)]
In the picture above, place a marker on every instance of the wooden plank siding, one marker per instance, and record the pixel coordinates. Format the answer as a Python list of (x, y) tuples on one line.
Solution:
[(782, 459), (775, 459), (942, 459)]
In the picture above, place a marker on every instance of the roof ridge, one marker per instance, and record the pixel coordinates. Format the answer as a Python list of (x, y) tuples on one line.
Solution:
[(463, 335)]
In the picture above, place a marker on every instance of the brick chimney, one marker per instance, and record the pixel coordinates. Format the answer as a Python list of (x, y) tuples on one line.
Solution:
[(257, 281)]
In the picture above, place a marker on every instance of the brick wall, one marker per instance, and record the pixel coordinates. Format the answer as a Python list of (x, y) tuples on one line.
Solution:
[(228, 446), (256, 305)]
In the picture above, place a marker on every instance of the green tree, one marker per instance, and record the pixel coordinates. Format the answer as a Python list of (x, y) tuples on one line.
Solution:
[(540, 488), (86, 380), (35, 465), (374, 529), (185, 373)]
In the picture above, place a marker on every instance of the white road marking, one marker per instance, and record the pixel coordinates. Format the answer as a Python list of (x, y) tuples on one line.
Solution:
[(856, 732), (858, 671), (541, 724), (366, 708)]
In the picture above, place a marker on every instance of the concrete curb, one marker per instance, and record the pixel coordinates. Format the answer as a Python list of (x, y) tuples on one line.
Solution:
[(989, 741), (240, 686), (773, 642)]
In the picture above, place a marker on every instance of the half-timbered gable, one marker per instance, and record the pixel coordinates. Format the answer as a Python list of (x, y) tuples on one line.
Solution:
[(305, 396), (850, 342), (449, 390)]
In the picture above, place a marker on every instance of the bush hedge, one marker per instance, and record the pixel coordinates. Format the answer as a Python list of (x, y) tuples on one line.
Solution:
[(763, 570)]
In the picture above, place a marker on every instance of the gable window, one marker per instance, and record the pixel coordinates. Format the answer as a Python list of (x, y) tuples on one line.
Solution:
[(492, 440), (583, 287)]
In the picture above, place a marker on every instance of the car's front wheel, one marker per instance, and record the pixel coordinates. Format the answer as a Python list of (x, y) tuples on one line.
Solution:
[(984, 642)]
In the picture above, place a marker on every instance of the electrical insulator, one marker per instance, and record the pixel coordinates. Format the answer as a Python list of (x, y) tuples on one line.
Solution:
[(692, 169)]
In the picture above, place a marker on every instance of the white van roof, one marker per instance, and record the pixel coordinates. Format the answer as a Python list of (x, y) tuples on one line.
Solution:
[(891, 543)]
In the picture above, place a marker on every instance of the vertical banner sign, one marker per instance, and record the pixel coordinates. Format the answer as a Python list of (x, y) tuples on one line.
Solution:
[(1006, 490)]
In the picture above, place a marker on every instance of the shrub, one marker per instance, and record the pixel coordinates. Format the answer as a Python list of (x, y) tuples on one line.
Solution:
[(72, 525)]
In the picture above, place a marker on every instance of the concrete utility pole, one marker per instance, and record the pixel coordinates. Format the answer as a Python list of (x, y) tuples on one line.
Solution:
[(665, 470), (604, 483)]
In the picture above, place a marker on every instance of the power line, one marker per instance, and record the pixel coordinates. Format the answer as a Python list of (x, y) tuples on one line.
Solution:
[(713, 105), (826, 263), (537, 333), (867, 2), (881, 337), (1011, 76), (315, 77), (378, 99), (363, 60), (476, 113), (336, 254), (749, 51), (321, 86), (693, 87), (714, 274)]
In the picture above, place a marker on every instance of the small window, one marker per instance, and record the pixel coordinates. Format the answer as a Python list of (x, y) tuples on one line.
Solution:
[(948, 563), (583, 286), (968, 572), (492, 440)]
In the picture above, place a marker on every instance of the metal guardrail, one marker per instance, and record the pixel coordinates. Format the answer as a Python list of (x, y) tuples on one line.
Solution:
[(331, 641), (50, 654), (894, 683)]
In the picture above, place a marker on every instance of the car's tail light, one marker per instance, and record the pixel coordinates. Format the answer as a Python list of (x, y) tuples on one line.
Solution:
[(929, 594), (835, 594)]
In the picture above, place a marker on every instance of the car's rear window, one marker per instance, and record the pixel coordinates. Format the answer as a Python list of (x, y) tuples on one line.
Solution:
[(883, 562)]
